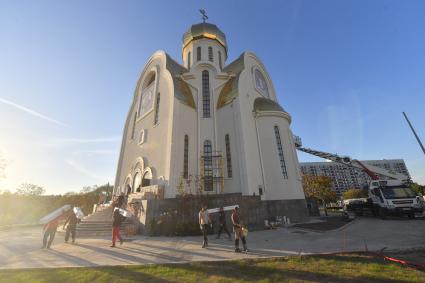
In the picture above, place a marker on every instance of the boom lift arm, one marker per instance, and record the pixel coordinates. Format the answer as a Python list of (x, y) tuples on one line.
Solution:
[(384, 196), (372, 171)]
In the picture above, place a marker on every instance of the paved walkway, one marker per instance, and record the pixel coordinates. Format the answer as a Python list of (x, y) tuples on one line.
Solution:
[(21, 248)]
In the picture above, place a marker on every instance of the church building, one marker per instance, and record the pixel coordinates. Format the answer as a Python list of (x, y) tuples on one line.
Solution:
[(208, 126)]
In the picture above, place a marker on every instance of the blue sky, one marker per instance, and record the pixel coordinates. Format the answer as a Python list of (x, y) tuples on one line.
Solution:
[(344, 70)]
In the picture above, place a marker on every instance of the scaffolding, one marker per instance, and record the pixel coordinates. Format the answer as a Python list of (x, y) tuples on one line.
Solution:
[(211, 165)]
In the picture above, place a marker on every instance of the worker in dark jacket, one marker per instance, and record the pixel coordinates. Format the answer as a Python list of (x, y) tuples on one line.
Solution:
[(120, 200), (72, 222), (118, 219), (222, 223)]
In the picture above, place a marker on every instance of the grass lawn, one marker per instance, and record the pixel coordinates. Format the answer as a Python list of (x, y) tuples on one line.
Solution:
[(339, 268)]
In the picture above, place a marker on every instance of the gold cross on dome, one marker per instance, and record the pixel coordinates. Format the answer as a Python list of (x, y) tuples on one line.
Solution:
[(204, 15)]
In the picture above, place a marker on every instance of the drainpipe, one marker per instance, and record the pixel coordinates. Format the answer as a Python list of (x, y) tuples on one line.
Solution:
[(260, 154)]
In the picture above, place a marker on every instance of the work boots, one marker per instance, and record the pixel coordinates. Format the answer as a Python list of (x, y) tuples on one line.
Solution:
[(237, 250), (245, 248), (204, 244)]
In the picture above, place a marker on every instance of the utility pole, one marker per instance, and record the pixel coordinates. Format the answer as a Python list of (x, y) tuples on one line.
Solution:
[(413, 130)]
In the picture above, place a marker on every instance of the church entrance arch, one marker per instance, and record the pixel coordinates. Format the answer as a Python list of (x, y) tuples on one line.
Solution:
[(127, 186), (147, 178), (137, 182)]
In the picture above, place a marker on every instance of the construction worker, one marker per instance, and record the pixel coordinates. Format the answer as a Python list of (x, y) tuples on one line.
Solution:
[(238, 229), (204, 222), (222, 223), (50, 232), (118, 219), (72, 221)]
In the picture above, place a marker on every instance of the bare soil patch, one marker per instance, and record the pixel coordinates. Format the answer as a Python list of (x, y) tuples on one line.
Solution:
[(329, 223)]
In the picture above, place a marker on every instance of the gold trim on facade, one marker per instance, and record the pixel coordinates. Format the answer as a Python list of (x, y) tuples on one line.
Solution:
[(206, 35), (185, 90), (229, 92)]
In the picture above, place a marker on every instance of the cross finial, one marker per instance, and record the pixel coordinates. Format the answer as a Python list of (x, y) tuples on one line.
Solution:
[(204, 15)]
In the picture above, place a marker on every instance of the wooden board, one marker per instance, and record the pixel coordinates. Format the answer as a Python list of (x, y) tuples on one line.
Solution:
[(225, 208), (124, 212), (78, 212)]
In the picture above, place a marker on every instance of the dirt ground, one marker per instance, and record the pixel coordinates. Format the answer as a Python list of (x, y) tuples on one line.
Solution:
[(326, 224), (21, 248)]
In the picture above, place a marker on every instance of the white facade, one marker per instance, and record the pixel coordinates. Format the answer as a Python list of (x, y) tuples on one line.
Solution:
[(178, 110)]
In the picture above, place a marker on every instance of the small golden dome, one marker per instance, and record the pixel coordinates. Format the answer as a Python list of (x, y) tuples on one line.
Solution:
[(265, 104), (204, 30)]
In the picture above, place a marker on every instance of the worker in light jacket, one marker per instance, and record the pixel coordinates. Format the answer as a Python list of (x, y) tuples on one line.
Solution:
[(204, 222)]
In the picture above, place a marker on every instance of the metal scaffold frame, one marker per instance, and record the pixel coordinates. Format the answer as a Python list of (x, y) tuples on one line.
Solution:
[(212, 172)]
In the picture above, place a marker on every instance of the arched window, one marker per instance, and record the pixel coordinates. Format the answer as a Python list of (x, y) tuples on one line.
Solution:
[(198, 53), (219, 60), (186, 157), (260, 83), (133, 127), (208, 168), (206, 94), (280, 151), (210, 54), (157, 109), (228, 157), (147, 95), (150, 80)]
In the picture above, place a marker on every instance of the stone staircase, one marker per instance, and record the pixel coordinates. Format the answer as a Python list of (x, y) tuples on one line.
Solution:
[(99, 224)]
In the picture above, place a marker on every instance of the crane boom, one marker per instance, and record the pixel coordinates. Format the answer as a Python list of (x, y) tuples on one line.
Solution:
[(372, 171), (391, 196)]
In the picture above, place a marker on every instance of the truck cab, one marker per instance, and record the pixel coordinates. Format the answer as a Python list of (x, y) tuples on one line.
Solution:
[(392, 197)]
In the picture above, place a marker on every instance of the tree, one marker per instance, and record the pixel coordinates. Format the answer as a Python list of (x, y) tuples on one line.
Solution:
[(98, 190), (3, 165), (418, 188), (104, 190), (354, 193), (5, 192), (180, 187), (88, 189), (30, 190), (319, 187)]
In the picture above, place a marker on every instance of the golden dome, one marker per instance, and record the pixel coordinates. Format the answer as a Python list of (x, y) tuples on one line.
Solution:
[(265, 104), (204, 30)]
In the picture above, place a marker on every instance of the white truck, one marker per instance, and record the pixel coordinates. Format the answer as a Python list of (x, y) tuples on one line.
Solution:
[(385, 197), (392, 197)]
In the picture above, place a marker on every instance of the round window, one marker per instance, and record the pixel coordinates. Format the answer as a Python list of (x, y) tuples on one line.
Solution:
[(260, 83)]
